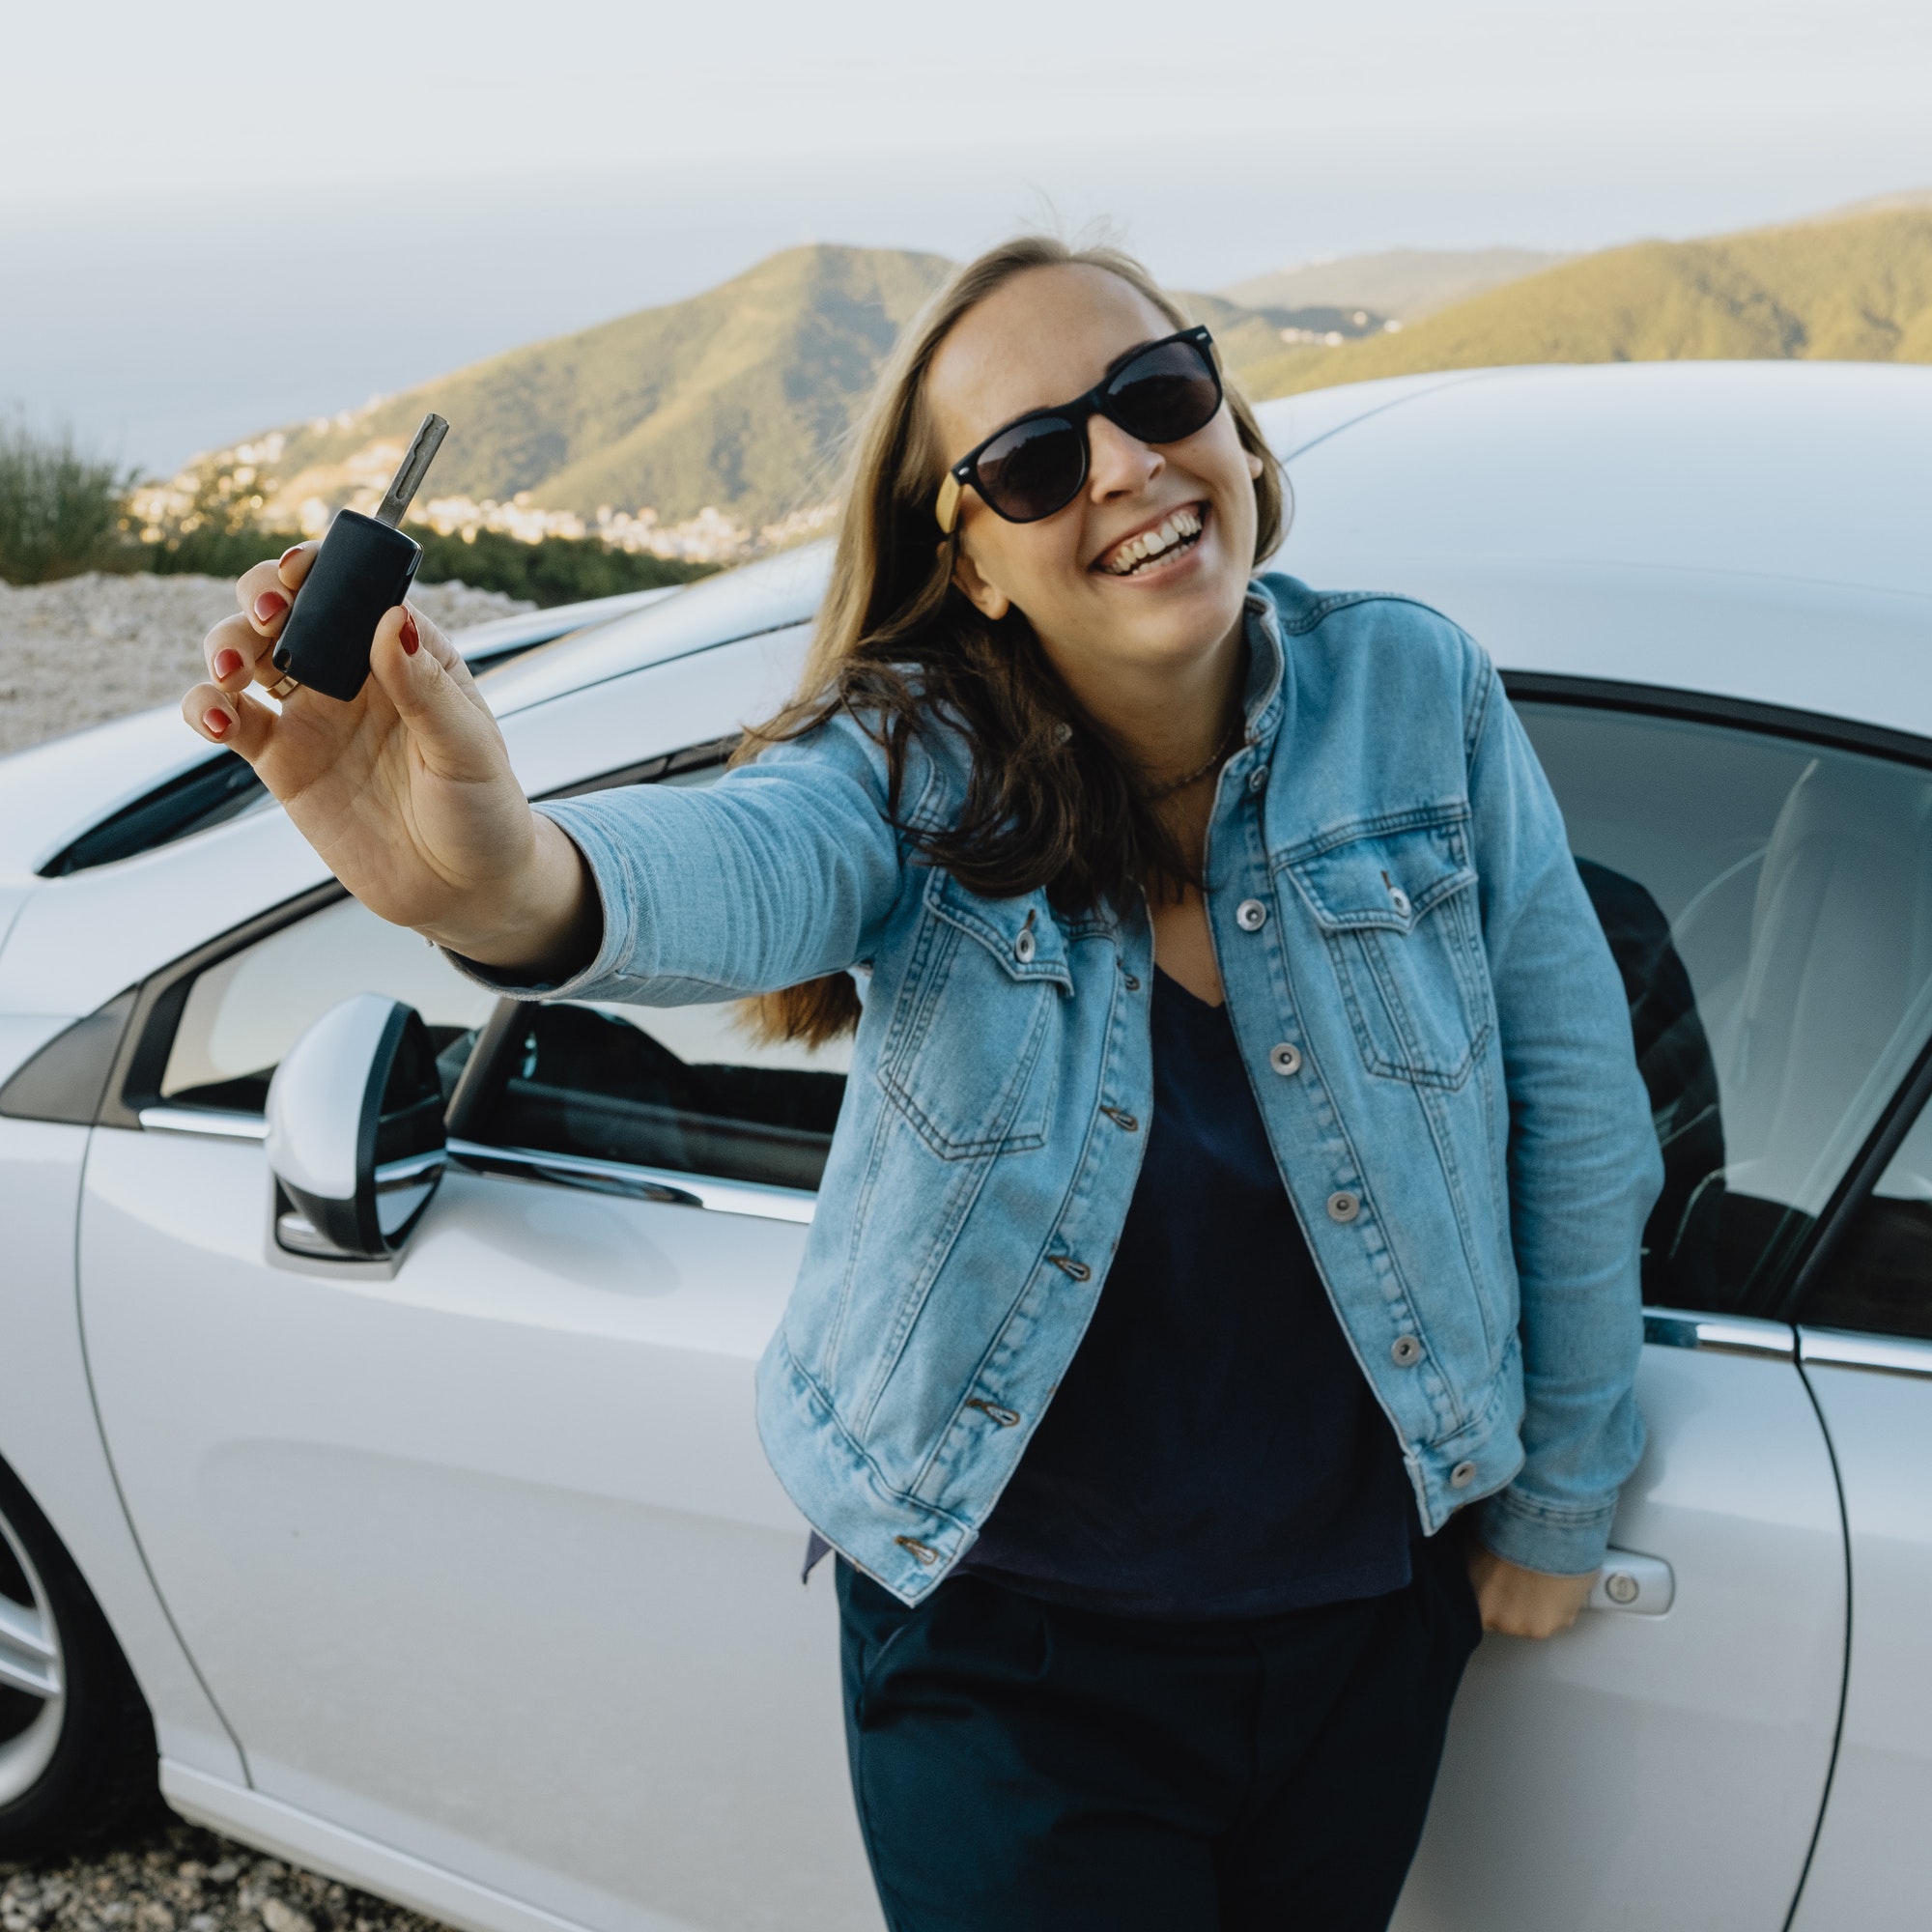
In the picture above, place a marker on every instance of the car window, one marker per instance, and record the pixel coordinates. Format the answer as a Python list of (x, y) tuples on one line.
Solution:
[(1768, 902), (242, 1013), (690, 1088), (1879, 1277)]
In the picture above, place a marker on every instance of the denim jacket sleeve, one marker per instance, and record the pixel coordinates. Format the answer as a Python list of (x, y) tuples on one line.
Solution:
[(1583, 1162), (784, 870)]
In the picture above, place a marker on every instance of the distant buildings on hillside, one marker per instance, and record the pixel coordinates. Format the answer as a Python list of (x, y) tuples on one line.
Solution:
[(709, 537), (241, 480)]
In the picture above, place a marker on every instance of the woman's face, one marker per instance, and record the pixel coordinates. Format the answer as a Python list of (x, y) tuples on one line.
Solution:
[(1109, 625)]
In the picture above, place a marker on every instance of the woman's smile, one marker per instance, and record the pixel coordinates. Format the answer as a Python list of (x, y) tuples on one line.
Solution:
[(1155, 546)]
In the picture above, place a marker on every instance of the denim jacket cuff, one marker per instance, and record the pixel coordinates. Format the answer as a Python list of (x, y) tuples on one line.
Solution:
[(515, 987), (1541, 1536)]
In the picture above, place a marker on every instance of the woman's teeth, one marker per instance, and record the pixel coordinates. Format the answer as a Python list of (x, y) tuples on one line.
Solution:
[(1179, 530)]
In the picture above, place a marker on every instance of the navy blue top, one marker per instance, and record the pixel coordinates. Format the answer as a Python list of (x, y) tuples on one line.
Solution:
[(1214, 1450)]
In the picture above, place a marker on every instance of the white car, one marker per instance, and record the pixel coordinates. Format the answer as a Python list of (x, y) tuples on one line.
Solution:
[(427, 1525)]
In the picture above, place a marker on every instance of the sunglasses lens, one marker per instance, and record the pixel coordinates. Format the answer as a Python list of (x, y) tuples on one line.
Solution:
[(1033, 470), (1166, 394)]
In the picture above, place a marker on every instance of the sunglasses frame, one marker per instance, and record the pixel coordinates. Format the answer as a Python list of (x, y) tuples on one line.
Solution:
[(965, 473)]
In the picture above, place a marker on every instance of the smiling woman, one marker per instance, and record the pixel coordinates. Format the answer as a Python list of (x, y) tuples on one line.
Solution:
[(1221, 1301), (1058, 795)]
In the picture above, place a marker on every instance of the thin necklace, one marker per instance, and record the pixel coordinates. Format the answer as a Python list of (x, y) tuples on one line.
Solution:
[(1199, 772)]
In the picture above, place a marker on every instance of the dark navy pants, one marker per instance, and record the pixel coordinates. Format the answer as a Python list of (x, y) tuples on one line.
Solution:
[(1024, 1767)]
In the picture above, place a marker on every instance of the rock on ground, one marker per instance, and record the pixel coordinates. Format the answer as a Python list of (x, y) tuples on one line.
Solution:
[(177, 1878), (89, 649)]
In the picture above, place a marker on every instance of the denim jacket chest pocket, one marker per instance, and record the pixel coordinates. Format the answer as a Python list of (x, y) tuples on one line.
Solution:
[(1395, 903), (968, 1058)]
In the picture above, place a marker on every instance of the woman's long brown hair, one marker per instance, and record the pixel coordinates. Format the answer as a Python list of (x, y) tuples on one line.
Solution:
[(1052, 801)]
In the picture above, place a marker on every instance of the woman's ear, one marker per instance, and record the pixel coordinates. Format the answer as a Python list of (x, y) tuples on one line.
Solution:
[(1254, 467), (986, 597)]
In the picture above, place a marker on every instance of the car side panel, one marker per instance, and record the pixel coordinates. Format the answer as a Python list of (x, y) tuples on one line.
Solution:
[(484, 1559), (1871, 1869), (1663, 1771), (51, 1439)]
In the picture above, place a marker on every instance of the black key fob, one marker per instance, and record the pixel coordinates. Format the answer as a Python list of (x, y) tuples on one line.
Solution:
[(365, 566), (362, 569)]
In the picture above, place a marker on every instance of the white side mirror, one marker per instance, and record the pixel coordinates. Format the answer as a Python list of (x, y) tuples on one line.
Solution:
[(356, 1134)]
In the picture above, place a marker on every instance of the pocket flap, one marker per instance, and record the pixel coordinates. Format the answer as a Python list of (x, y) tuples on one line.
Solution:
[(1022, 934), (1386, 879)]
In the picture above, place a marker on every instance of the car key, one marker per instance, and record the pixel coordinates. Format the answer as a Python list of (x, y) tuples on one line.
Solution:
[(365, 566)]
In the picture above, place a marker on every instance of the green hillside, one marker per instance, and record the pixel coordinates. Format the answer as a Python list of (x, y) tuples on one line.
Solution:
[(733, 398), (1857, 287)]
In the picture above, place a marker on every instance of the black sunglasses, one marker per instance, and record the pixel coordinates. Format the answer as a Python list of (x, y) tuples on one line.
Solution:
[(1037, 463)]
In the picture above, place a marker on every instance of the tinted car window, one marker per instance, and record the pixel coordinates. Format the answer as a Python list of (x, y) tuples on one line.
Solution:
[(689, 1089), (1768, 902), (245, 1011), (1880, 1277)]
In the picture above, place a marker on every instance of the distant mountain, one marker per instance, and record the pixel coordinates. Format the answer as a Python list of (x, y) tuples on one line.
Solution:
[(734, 399), (1400, 284), (1852, 288), (722, 417), (734, 402)]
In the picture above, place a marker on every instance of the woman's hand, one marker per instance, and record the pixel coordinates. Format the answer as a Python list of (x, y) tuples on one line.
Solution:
[(406, 791), (1523, 1603)]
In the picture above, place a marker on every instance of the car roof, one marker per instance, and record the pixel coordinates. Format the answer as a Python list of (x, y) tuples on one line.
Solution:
[(1750, 530)]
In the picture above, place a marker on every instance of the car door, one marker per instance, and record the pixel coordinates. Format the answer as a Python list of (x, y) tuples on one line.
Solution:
[(1766, 886), (478, 1552), (1866, 1345)]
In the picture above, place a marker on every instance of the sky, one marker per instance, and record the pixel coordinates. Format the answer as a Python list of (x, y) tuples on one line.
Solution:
[(217, 218)]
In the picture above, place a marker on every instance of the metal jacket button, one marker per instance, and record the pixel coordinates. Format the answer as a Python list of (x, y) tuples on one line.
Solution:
[(1122, 1119), (1257, 779), (1133, 985), (1067, 1265), (1404, 1352), (1343, 1205), (1024, 948), (1251, 915), (1285, 1058), (1461, 1475)]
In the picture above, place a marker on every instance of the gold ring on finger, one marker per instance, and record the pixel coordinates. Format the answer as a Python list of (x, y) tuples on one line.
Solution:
[(283, 684)]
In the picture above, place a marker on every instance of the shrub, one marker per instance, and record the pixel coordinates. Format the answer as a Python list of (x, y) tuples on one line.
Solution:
[(209, 551), (60, 509), (558, 570)]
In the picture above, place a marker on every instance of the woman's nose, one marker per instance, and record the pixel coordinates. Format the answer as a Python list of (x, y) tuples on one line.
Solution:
[(1118, 463)]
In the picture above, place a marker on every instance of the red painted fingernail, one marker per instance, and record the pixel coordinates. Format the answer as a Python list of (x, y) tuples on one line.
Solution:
[(270, 605), (216, 722), (227, 662), (294, 550), (409, 639)]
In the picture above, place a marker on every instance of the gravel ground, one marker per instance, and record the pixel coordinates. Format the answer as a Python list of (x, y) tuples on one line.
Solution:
[(89, 649), (182, 1879)]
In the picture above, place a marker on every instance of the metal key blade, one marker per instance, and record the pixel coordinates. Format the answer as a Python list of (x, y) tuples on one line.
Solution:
[(411, 471)]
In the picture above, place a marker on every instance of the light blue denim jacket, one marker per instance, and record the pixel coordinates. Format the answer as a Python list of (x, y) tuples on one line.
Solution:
[(1431, 1018)]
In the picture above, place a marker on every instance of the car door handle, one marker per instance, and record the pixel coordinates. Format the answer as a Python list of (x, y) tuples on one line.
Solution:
[(1640, 1586)]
